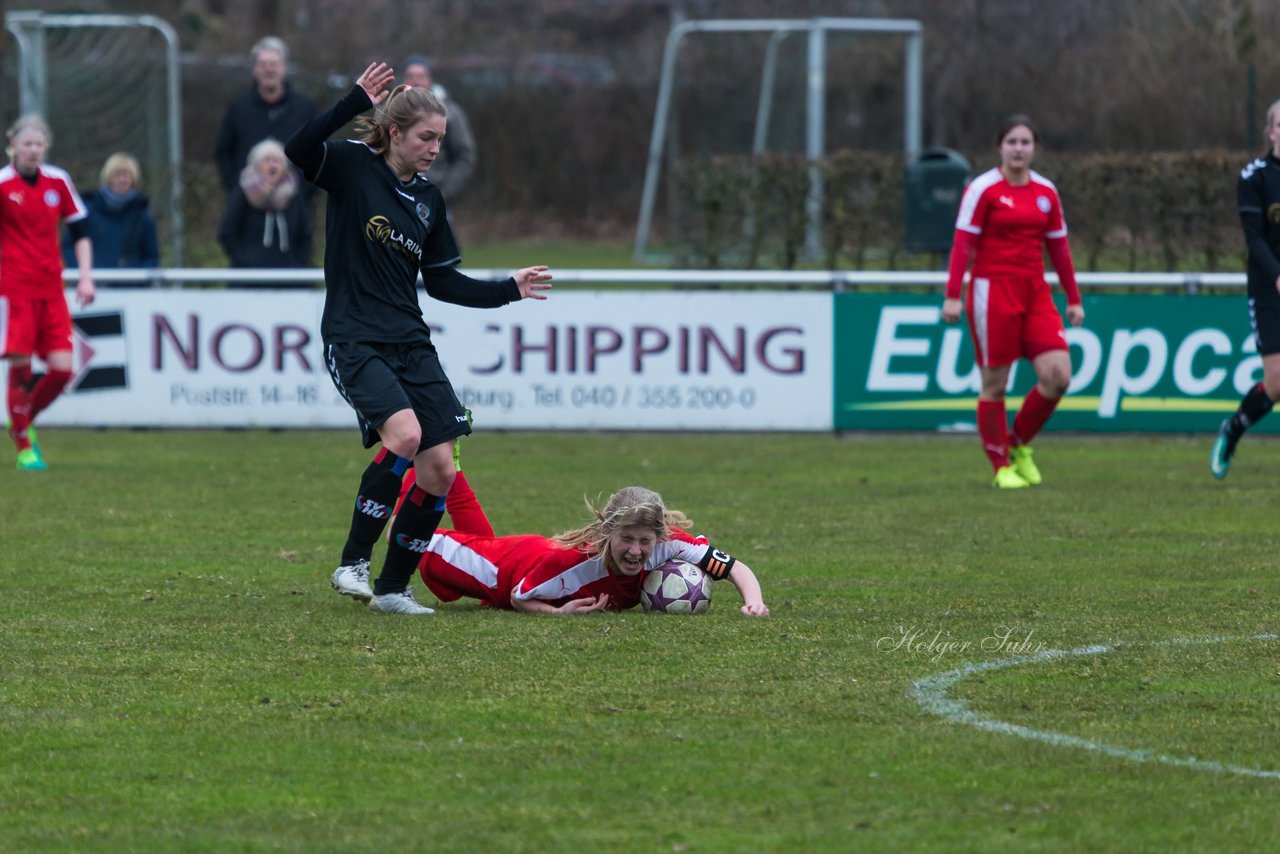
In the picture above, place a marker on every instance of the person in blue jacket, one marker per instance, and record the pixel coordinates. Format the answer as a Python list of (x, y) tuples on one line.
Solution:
[(121, 227)]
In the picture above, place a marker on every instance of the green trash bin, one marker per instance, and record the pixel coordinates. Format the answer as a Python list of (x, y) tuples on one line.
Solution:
[(934, 183)]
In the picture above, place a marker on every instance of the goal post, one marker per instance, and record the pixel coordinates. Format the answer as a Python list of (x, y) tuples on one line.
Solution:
[(815, 93), (108, 83)]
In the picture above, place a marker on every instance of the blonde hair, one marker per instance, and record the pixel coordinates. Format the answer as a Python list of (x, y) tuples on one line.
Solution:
[(30, 121), (404, 107), (1271, 117), (121, 161), (632, 505)]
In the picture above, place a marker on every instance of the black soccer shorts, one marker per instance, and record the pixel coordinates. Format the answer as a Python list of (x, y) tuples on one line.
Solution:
[(380, 379)]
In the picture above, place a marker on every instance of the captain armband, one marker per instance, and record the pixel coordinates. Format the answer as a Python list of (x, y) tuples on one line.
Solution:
[(716, 564)]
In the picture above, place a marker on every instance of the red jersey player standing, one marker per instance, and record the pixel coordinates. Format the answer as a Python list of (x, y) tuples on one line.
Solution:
[(34, 319), (1007, 215)]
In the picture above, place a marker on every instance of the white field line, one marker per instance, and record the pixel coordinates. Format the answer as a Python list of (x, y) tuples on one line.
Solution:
[(931, 694)]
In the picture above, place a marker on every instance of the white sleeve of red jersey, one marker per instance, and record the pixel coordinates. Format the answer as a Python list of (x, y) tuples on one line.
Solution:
[(1057, 223), (973, 204), (71, 207), (680, 545), (697, 551)]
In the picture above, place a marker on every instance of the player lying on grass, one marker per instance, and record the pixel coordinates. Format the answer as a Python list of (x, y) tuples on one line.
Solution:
[(597, 567)]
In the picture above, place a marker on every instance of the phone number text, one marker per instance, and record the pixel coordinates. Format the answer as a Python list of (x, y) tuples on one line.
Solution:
[(644, 397)]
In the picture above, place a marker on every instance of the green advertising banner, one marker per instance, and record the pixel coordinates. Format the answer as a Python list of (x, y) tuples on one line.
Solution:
[(1149, 363)]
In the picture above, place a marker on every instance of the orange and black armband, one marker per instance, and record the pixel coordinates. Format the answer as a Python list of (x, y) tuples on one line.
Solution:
[(716, 564)]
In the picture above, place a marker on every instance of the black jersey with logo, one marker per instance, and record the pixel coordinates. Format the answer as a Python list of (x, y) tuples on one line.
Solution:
[(379, 232), (1258, 199)]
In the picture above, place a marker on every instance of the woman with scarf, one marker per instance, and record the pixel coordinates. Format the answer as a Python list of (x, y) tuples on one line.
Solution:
[(267, 223), (121, 227)]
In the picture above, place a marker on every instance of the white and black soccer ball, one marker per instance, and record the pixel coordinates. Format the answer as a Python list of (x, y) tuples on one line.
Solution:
[(676, 587)]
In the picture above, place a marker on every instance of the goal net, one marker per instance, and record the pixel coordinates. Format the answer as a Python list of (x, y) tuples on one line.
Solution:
[(105, 83)]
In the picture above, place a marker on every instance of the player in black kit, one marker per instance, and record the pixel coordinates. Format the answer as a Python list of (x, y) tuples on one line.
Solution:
[(1258, 199), (385, 224)]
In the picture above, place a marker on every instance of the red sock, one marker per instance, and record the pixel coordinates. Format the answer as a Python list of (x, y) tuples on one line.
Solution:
[(47, 390), (993, 429), (1035, 411), (465, 512), (19, 403)]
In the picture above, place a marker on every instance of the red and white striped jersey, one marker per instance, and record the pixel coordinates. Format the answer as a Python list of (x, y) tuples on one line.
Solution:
[(533, 567), (31, 214), (1011, 223)]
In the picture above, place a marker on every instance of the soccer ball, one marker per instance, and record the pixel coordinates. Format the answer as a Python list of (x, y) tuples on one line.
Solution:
[(676, 587)]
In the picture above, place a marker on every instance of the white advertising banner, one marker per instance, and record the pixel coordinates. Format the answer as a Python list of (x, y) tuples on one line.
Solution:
[(643, 360)]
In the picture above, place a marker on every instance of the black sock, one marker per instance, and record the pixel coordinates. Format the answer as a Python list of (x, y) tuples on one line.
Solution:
[(415, 524), (379, 488), (1253, 408)]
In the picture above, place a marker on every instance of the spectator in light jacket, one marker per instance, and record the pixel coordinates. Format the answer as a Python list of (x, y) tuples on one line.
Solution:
[(267, 221)]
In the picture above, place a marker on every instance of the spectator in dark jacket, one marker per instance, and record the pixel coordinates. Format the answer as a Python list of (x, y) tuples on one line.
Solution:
[(270, 110), (121, 228), (267, 222)]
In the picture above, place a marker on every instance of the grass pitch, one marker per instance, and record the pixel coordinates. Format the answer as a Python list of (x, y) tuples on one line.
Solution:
[(176, 674)]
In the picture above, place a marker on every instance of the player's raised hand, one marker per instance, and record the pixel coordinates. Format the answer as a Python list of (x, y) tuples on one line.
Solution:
[(531, 280), (374, 81)]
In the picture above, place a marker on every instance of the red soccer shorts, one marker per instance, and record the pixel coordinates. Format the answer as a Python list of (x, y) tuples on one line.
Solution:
[(1012, 317), (39, 325), (450, 583)]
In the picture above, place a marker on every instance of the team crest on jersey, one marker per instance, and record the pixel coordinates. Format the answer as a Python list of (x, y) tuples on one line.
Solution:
[(1273, 212), (424, 213), (51, 198), (1042, 202)]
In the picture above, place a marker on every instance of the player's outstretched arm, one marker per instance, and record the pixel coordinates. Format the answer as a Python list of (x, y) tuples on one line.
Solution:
[(574, 606), (532, 280), (749, 588)]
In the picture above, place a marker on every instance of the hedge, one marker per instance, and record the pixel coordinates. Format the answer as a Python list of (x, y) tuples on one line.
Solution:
[(1167, 211)]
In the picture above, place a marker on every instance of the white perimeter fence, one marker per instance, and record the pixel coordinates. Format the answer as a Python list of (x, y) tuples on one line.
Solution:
[(712, 350), (836, 280)]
